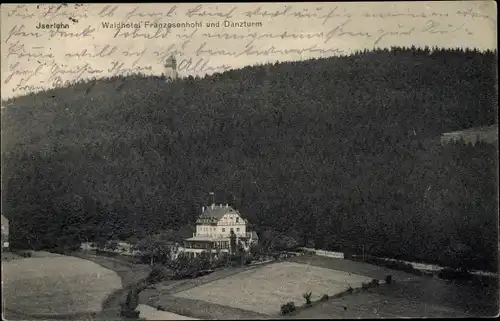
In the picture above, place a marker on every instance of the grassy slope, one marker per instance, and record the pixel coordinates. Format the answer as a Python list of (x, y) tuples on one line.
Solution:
[(123, 270)]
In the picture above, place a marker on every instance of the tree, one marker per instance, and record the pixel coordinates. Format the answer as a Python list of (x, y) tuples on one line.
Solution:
[(155, 249), (128, 308), (111, 245), (183, 265), (307, 296), (158, 273), (232, 243), (256, 250), (100, 244)]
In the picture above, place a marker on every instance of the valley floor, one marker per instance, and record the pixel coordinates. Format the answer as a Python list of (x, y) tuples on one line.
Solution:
[(209, 297), (257, 292)]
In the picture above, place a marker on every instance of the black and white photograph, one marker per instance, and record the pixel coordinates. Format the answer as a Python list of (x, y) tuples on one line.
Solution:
[(267, 160)]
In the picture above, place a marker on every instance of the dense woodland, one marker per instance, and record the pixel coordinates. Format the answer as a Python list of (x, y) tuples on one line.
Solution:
[(341, 152)]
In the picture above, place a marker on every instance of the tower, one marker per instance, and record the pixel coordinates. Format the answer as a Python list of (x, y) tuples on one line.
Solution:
[(171, 68)]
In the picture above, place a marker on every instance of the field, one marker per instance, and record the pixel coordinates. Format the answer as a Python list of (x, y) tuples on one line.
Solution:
[(163, 295), (50, 284), (258, 292), (265, 289), (375, 304)]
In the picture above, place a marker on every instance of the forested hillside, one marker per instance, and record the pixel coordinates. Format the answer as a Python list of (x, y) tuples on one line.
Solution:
[(342, 151)]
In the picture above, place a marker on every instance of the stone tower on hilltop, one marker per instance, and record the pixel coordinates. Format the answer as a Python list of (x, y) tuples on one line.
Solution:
[(171, 68)]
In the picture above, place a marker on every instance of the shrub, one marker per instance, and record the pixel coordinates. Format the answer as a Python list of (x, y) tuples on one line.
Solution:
[(185, 266), (158, 273), (307, 297), (325, 297), (129, 313), (446, 273), (451, 274), (221, 260), (160, 308), (395, 265), (309, 252), (132, 299), (350, 289), (374, 283), (128, 308), (288, 308), (388, 279), (235, 264), (248, 260), (365, 285), (141, 286), (25, 254)]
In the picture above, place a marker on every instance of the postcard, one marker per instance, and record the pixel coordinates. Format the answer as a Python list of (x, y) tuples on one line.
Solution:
[(249, 160)]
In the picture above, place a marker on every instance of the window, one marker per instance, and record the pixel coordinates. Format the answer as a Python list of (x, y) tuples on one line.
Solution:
[(232, 230), (237, 229), (237, 219), (223, 229)]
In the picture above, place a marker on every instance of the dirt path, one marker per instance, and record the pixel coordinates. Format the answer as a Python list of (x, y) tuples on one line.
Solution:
[(149, 313), (130, 274)]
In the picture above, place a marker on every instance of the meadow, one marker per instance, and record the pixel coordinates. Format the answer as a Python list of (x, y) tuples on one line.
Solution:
[(50, 284), (265, 289)]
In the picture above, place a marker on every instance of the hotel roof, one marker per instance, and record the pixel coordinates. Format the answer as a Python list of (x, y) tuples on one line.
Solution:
[(214, 213)]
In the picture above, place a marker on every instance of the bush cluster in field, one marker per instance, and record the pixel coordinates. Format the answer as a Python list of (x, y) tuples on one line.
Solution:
[(290, 308)]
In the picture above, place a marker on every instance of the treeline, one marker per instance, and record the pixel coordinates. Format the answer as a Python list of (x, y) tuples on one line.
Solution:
[(341, 152)]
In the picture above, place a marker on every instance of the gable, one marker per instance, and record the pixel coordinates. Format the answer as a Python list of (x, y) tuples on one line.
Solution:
[(216, 213), (231, 216)]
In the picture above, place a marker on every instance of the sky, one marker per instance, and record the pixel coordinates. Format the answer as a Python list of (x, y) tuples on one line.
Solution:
[(45, 46)]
